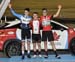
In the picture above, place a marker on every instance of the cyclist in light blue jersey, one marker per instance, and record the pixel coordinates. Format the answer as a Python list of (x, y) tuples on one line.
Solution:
[(25, 29)]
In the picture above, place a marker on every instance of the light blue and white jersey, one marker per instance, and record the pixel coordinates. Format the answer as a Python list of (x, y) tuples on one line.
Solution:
[(25, 20)]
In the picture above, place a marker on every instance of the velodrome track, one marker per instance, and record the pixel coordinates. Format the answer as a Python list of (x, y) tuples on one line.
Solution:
[(51, 58), (66, 57)]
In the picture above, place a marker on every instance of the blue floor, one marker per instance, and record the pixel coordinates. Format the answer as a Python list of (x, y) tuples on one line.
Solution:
[(51, 58)]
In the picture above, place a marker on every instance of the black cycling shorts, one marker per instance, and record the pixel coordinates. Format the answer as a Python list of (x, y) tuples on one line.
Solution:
[(36, 38), (25, 34), (47, 35)]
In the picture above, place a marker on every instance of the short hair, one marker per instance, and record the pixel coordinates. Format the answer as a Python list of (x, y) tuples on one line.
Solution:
[(44, 9), (27, 9), (35, 12)]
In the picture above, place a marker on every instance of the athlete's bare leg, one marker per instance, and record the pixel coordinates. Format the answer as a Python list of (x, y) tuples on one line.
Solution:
[(39, 48), (34, 47), (28, 48), (35, 50), (46, 50), (23, 48), (53, 45), (45, 45)]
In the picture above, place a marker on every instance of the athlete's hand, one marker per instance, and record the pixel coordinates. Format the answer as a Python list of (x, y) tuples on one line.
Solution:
[(10, 5), (59, 6)]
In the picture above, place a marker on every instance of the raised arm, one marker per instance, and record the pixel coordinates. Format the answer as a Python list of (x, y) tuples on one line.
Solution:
[(58, 11), (14, 13)]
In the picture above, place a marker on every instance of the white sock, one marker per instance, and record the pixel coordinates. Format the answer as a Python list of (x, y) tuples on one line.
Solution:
[(28, 51), (23, 52)]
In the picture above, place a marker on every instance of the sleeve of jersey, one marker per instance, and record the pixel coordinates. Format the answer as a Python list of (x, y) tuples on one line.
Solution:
[(15, 14), (30, 24), (40, 23), (40, 20), (51, 17)]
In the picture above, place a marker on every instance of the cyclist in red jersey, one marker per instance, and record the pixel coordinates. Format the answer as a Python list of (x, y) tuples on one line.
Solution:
[(36, 37), (47, 30)]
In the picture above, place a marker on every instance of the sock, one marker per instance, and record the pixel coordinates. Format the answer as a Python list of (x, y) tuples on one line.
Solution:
[(35, 53), (28, 52), (39, 52), (46, 52), (22, 52), (56, 53)]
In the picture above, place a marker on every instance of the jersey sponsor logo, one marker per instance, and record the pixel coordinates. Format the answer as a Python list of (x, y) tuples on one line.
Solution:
[(46, 22), (25, 20)]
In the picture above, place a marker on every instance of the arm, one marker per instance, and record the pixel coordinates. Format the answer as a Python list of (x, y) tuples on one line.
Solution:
[(13, 12), (30, 24), (41, 27), (58, 11)]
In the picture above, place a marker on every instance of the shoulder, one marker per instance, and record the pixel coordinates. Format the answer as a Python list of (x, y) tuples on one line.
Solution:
[(22, 16), (31, 21), (50, 15), (41, 16)]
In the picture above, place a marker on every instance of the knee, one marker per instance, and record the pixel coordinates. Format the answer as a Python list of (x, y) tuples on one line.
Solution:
[(34, 45), (28, 43), (52, 43)]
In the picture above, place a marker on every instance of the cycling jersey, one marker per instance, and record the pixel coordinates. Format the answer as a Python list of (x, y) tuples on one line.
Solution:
[(25, 20), (46, 22), (35, 24)]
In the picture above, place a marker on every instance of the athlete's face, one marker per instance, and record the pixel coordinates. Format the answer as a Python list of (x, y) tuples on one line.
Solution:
[(35, 16), (44, 12), (26, 12)]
